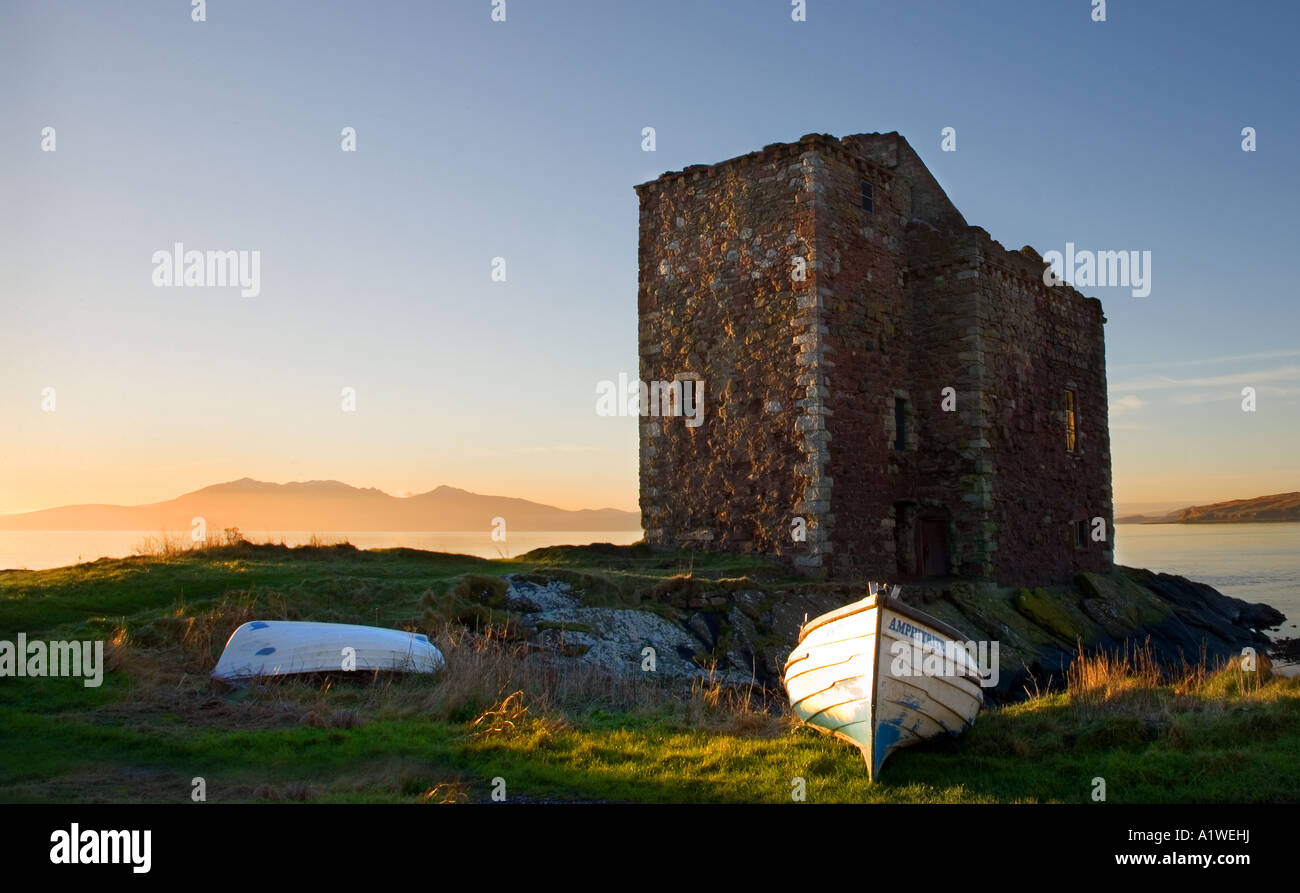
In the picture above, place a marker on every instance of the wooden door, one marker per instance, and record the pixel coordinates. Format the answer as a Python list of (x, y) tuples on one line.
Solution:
[(932, 548)]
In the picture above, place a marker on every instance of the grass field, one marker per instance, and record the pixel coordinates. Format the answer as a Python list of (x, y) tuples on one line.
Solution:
[(501, 716)]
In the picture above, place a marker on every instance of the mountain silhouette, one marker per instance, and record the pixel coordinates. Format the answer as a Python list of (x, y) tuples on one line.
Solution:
[(323, 506)]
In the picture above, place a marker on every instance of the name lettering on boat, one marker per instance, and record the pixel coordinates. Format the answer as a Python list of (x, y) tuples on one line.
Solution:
[(912, 632)]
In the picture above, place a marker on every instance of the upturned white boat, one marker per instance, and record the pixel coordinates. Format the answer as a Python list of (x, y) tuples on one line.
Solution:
[(883, 675), (281, 647)]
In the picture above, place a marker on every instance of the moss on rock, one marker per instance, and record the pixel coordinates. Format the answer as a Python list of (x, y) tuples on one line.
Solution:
[(1119, 604), (1058, 612)]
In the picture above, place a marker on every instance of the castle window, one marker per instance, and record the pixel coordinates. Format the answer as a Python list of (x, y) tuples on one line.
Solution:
[(1079, 531), (868, 198), (1071, 433), (900, 423)]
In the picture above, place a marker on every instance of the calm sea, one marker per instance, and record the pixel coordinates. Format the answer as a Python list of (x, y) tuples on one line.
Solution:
[(40, 549), (1256, 562)]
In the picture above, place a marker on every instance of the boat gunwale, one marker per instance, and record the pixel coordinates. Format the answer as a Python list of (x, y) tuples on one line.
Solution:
[(890, 601)]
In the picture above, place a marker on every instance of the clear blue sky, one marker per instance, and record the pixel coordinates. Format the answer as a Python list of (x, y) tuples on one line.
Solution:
[(522, 139)]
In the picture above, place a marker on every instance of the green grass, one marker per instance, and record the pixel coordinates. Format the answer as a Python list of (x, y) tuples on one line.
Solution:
[(156, 724)]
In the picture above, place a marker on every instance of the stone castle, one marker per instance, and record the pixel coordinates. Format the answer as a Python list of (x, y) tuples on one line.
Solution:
[(885, 391)]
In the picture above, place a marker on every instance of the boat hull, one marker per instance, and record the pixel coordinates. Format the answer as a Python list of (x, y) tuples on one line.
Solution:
[(882, 675), (283, 647)]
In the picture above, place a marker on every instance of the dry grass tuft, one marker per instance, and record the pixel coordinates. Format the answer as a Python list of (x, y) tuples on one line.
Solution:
[(1132, 683), (171, 544), (1104, 676), (1127, 683), (483, 669), (447, 792), (504, 717), (736, 710)]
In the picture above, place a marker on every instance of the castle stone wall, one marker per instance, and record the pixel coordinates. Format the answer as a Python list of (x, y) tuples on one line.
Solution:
[(717, 301), (802, 373)]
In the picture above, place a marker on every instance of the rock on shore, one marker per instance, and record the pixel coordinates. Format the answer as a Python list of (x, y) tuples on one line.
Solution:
[(741, 632)]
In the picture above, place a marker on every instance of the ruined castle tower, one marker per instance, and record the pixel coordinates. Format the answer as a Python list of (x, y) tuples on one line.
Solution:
[(880, 388)]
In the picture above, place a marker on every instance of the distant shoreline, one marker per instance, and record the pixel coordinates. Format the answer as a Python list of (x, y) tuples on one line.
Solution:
[(1278, 508), (1136, 521)]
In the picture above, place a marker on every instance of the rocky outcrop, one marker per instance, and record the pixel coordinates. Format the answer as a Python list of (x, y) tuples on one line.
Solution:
[(741, 631), (1040, 631), (613, 639)]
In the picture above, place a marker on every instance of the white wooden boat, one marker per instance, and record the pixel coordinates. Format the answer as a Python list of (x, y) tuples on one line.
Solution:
[(848, 677), (281, 647)]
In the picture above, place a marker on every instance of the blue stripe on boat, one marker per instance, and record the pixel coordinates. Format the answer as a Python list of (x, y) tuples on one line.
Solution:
[(887, 735)]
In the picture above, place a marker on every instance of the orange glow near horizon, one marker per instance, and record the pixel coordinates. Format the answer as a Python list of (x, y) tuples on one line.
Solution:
[(100, 448), (570, 485), (561, 488)]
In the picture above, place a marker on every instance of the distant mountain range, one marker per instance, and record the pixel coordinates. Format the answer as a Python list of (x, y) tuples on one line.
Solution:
[(1279, 507), (323, 506)]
